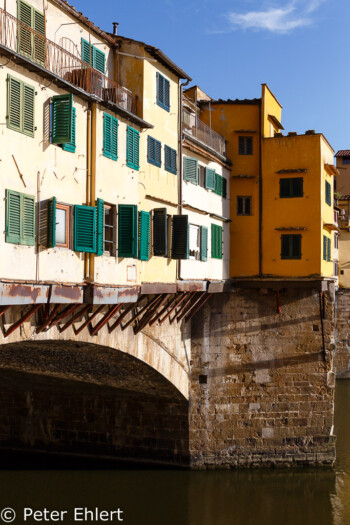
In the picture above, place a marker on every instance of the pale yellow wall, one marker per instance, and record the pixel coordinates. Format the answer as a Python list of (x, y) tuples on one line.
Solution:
[(343, 179), (344, 259), (270, 106), (327, 212)]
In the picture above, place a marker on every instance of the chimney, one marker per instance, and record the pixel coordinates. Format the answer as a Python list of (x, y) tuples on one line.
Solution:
[(115, 28), (292, 134), (310, 132)]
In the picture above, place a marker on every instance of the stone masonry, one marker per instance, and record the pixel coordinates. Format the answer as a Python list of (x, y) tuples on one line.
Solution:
[(342, 354)]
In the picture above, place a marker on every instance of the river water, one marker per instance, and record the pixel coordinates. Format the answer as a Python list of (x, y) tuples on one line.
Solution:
[(165, 497)]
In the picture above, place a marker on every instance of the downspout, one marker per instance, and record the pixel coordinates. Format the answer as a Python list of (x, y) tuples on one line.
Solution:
[(38, 199), (260, 189), (181, 86), (93, 181), (88, 181)]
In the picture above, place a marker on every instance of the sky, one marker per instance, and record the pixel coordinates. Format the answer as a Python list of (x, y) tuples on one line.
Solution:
[(300, 48)]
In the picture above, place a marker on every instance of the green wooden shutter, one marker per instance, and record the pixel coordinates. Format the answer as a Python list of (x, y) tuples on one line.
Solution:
[(190, 170), (127, 230), (85, 229), (296, 246), (14, 103), (160, 89), (13, 217), (39, 41), (145, 219), (28, 110), (51, 223), (324, 248), (170, 160), (62, 109), (224, 187), (204, 243), (329, 249), (107, 135), (180, 240), (99, 226), (328, 194), (218, 184), (28, 220), (114, 137), (86, 51), (25, 39), (132, 148), (160, 232), (99, 60), (167, 94), (209, 179), (71, 145), (216, 241)]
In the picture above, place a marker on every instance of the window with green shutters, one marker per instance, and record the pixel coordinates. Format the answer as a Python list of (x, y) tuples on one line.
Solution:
[(329, 250), (144, 229), (219, 184), (190, 170), (70, 146), (291, 187), (127, 230), (216, 241), (20, 106), (291, 246), (163, 92), (110, 137), (209, 179), (204, 243), (20, 218), (85, 226), (328, 191), (224, 187), (93, 56), (62, 119), (154, 149), (325, 246), (99, 226), (160, 232), (170, 160), (31, 33), (180, 237), (132, 148)]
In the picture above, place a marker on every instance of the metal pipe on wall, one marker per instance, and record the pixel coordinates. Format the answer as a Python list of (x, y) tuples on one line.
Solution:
[(88, 180), (93, 180)]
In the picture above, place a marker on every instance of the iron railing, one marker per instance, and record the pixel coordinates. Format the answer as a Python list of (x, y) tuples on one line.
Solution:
[(198, 129), (21, 39)]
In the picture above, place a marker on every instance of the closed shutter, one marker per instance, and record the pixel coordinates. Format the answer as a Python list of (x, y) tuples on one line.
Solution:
[(163, 92), (209, 179), (39, 41), (154, 151), (107, 135), (204, 243), (115, 125), (324, 248), (71, 145), (296, 246), (285, 247), (160, 230), (28, 110), (328, 194), (285, 189), (132, 148), (85, 229), (216, 241), (28, 220), (170, 160), (224, 187), (99, 226), (167, 93), (24, 14), (62, 109), (13, 217), (190, 170), (99, 60), (127, 230), (329, 255), (144, 235), (218, 184), (51, 223), (86, 51), (180, 240), (14, 103)]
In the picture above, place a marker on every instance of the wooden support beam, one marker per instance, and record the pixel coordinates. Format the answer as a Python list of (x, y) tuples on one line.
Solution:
[(24, 318), (125, 313), (75, 317), (195, 299), (148, 315), (3, 309), (185, 303), (198, 307), (49, 318), (106, 318), (92, 316), (163, 310), (179, 300), (140, 312)]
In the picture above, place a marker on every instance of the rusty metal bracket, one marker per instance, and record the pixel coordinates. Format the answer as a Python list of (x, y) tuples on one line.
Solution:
[(3, 309), (158, 316), (148, 315), (124, 314), (105, 319), (92, 316), (180, 300), (48, 318), (75, 317), (66, 311), (195, 299), (140, 312), (24, 318), (185, 303), (198, 307)]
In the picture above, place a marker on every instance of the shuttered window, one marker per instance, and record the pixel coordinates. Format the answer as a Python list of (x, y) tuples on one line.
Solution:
[(145, 220), (132, 148), (224, 187), (291, 187), (62, 119), (204, 243), (109, 228), (127, 230), (244, 205), (163, 92), (20, 218), (154, 149), (291, 246), (160, 232), (329, 250), (245, 145), (85, 229), (110, 137), (99, 226), (218, 184), (216, 241), (324, 248), (209, 179), (180, 240), (31, 33), (93, 56), (328, 194), (170, 159), (190, 170), (70, 146), (20, 106)]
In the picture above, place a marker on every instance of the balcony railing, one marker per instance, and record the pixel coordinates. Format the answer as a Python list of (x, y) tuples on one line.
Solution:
[(344, 221), (199, 130), (20, 38)]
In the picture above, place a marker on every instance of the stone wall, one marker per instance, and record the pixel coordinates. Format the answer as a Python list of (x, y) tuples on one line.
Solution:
[(342, 354), (262, 388)]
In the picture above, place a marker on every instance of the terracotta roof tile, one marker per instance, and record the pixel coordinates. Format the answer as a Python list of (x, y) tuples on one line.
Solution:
[(343, 153)]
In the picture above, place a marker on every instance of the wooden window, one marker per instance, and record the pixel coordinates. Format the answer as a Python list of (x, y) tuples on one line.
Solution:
[(216, 241), (190, 170), (144, 234), (93, 56), (127, 230), (324, 248), (194, 242), (244, 205), (132, 148), (201, 176), (20, 218), (163, 92), (20, 106), (180, 237), (109, 229), (170, 159), (70, 146), (62, 225), (31, 33), (328, 191), (160, 232), (154, 149), (210, 179), (85, 224), (291, 188), (245, 145), (110, 137), (218, 184), (290, 246)]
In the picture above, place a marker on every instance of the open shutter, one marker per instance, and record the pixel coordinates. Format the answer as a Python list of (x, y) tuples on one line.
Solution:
[(71, 145), (127, 230), (28, 220), (224, 187), (216, 241), (167, 94), (62, 109), (190, 170), (160, 231), (218, 184), (209, 179), (99, 226), (160, 89), (99, 60), (107, 135), (28, 110), (144, 235), (13, 217), (86, 51), (114, 137), (51, 223), (39, 41), (14, 103), (85, 229), (180, 241), (25, 40), (204, 243)]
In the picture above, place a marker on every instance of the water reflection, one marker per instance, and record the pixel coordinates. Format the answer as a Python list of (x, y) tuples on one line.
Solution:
[(162, 497)]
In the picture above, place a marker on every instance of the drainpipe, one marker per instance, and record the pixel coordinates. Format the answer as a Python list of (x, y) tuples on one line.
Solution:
[(181, 86), (260, 190), (93, 180), (88, 181), (38, 199)]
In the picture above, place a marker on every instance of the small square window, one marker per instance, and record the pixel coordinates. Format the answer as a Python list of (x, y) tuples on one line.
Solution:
[(245, 145), (244, 205), (291, 246)]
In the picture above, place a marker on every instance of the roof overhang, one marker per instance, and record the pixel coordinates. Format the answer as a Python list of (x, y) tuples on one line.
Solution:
[(331, 169), (275, 121), (330, 227)]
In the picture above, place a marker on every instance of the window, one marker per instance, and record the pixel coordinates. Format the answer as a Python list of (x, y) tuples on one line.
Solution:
[(336, 241), (110, 137), (145, 220), (20, 106), (160, 232), (127, 230), (216, 241), (180, 239), (204, 243), (163, 92), (291, 187), (132, 148), (201, 176), (329, 250), (62, 225), (31, 42), (63, 120), (245, 145), (244, 205), (190, 170), (220, 185), (328, 191), (93, 56), (336, 269), (154, 149), (170, 159), (290, 246), (346, 160), (70, 146), (194, 242), (109, 229), (20, 218)]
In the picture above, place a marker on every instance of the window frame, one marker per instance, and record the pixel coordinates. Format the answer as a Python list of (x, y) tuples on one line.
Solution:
[(162, 103), (169, 167), (292, 194), (111, 251), (290, 255), (67, 209), (22, 86), (197, 255), (245, 145), (245, 197)]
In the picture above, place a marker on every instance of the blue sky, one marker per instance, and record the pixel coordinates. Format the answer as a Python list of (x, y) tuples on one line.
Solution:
[(300, 48)]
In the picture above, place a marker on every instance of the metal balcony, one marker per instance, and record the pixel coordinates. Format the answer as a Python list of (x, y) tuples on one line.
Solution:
[(196, 128)]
